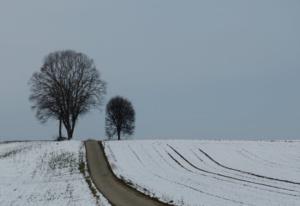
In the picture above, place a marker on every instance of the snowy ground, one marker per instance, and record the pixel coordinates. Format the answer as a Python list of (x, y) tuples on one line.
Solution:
[(46, 173), (210, 172)]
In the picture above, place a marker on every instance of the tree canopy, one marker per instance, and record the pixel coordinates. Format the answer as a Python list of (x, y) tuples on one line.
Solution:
[(120, 117), (67, 86)]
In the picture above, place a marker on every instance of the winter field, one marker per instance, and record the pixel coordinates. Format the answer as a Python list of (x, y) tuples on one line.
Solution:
[(46, 173), (210, 172)]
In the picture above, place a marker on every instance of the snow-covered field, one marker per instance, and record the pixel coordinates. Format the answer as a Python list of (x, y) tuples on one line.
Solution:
[(210, 172), (46, 173)]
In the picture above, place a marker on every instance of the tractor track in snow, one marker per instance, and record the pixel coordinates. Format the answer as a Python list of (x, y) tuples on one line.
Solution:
[(245, 172), (229, 181), (233, 178), (188, 186)]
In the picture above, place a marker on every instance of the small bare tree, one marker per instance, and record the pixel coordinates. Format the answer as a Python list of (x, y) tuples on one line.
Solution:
[(67, 86), (120, 117)]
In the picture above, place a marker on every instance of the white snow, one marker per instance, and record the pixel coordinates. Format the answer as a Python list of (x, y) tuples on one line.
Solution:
[(45, 173), (210, 172)]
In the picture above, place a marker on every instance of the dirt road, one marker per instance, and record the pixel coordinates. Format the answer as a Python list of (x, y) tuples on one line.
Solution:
[(116, 192)]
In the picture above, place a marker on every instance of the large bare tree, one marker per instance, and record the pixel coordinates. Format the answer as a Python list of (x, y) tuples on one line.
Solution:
[(120, 117), (67, 86)]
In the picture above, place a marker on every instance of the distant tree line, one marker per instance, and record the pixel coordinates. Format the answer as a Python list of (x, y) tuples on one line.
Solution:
[(67, 86)]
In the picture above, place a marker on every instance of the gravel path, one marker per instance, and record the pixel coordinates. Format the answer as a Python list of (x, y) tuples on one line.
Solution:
[(118, 193)]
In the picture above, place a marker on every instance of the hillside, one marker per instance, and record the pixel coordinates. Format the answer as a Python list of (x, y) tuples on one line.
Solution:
[(46, 173), (210, 172)]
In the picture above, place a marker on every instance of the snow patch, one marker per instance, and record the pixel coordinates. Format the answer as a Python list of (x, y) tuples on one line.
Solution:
[(45, 173), (210, 172)]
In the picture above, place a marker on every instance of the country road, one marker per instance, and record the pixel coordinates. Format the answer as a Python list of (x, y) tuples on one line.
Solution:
[(113, 189)]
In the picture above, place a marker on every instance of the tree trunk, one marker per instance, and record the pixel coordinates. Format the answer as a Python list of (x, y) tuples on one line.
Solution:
[(68, 128), (60, 128), (119, 135), (72, 129), (70, 133)]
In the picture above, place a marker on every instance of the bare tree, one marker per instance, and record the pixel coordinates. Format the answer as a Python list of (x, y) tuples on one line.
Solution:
[(67, 86), (120, 117)]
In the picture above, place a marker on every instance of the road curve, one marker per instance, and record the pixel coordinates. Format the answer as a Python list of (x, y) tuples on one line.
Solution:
[(117, 193)]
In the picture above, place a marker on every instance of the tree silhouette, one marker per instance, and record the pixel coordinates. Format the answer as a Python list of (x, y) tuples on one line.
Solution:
[(120, 117), (67, 86)]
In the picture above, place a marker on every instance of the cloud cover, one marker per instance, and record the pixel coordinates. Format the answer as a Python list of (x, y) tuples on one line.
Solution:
[(193, 69)]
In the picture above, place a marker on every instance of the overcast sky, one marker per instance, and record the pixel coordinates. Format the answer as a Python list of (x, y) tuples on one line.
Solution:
[(192, 69)]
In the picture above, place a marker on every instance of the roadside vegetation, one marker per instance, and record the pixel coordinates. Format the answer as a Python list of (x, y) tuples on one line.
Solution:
[(83, 168)]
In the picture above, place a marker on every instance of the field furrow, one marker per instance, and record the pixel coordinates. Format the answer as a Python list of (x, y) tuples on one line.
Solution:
[(210, 172)]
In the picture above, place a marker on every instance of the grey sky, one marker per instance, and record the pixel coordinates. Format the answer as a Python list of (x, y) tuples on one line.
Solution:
[(193, 69)]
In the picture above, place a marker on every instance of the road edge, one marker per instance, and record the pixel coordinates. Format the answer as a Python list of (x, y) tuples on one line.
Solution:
[(123, 182), (92, 177)]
